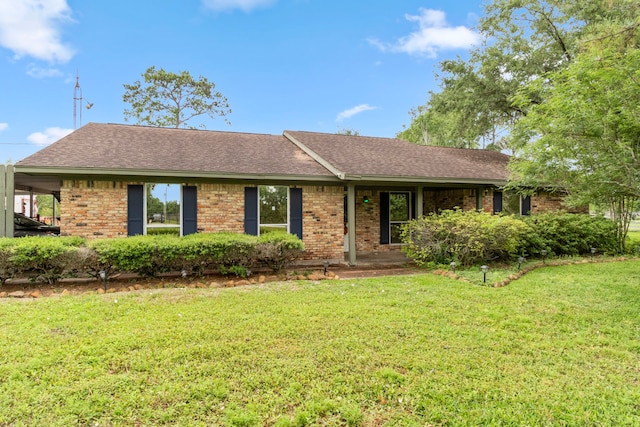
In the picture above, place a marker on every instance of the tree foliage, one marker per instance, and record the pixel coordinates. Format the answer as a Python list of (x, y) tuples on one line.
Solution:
[(166, 99), (585, 137), (522, 40)]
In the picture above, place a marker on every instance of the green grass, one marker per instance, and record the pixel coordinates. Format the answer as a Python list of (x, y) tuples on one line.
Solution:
[(560, 346)]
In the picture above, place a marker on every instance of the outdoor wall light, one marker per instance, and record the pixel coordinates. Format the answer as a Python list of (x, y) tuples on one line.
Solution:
[(484, 269), (366, 199), (520, 261), (544, 254), (453, 266)]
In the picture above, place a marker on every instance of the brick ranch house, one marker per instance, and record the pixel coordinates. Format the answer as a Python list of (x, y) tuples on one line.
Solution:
[(342, 195)]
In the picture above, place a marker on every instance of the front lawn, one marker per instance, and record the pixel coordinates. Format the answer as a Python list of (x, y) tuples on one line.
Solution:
[(560, 346)]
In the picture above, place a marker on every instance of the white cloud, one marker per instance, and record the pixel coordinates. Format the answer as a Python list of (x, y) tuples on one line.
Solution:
[(49, 136), (433, 35), (4, 126), (32, 28), (39, 72), (353, 111), (244, 5)]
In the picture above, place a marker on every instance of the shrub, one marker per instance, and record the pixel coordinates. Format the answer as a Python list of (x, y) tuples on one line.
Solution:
[(46, 259), (135, 254), (467, 237), (278, 249), (562, 233), (7, 267)]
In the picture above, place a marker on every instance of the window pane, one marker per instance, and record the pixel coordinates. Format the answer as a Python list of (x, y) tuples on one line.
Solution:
[(510, 203), (399, 207), (395, 233), (273, 205), (163, 209)]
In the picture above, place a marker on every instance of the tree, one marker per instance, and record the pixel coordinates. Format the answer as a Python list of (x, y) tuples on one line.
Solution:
[(522, 40), (348, 132), (166, 99), (585, 137)]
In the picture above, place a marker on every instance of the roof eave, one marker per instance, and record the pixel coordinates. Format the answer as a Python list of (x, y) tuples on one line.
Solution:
[(52, 170), (426, 180)]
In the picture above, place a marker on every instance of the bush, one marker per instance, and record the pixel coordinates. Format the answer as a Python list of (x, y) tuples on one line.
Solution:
[(467, 237), (7, 267), (46, 259), (230, 253), (562, 233), (278, 249)]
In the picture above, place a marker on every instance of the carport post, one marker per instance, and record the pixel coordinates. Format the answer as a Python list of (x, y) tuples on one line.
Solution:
[(2, 200), (7, 197)]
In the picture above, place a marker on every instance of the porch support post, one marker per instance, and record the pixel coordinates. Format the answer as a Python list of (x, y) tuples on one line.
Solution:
[(480, 198), (351, 222), (54, 220), (419, 201)]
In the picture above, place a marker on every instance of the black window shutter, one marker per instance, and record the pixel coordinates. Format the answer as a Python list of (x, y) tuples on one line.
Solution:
[(135, 210), (526, 205), (497, 202), (189, 210), (251, 210), (384, 218), (295, 212)]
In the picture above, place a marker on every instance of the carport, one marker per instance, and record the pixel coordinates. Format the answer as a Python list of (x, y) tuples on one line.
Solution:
[(15, 181)]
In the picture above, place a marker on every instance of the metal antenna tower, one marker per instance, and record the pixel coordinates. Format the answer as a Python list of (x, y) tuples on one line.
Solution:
[(77, 103)]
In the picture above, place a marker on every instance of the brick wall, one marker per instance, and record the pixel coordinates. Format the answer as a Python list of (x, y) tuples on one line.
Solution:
[(93, 209), (221, 208), (547, 202), (323, 222)]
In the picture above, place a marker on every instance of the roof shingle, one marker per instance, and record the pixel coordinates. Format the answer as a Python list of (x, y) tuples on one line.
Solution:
[(135, 148)]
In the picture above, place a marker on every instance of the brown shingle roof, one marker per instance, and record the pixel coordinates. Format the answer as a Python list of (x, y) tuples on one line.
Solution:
[(136, 148), (296, 155), (389, 157)]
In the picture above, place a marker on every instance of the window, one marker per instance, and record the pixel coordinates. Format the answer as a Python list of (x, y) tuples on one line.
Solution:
[(163, 209), (270, 208), (273, 209), (399, 214), (511, 203)]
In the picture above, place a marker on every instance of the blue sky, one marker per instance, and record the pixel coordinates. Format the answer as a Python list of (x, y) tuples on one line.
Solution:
[(314, 65)]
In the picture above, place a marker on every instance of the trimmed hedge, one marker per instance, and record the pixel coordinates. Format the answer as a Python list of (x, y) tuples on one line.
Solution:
[(45, 259), (49, 259)]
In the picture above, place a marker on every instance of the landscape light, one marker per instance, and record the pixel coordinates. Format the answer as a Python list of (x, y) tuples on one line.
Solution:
[(326, 265), (484, 269), (453, 266), (103, 277), (593, 252), (544, 254), (520, 261)]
